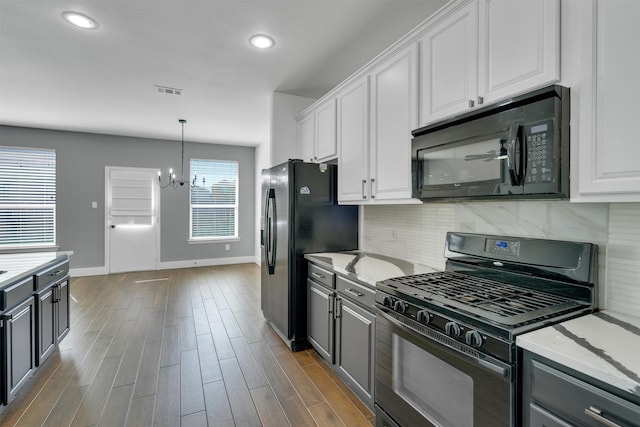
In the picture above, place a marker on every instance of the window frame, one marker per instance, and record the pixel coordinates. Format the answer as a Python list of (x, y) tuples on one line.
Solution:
[(235, 206), (17, 207)]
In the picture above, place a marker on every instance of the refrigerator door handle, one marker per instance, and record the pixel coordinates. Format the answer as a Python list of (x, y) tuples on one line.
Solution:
[(271, 232)]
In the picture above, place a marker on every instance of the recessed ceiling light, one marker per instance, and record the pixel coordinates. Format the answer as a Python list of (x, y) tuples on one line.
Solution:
[(80, 20), (261, 41)]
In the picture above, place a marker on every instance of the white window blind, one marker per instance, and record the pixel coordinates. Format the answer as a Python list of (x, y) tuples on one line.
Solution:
[(27, 197), (214, 203)]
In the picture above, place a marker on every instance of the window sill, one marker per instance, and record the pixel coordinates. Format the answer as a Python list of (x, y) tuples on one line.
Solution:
[(19, 250), (209, 241)]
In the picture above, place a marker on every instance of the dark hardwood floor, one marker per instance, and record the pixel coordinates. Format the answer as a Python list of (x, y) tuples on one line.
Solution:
[(179, 347)]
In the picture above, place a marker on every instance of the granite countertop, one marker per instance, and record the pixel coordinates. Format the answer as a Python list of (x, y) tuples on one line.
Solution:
[(603, 345), (367, 267), (20, 264)]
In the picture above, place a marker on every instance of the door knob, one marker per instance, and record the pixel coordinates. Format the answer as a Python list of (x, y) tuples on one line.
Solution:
[(113, 226)]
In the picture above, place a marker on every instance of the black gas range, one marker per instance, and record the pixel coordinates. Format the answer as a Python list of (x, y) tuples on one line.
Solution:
[(446, 340)]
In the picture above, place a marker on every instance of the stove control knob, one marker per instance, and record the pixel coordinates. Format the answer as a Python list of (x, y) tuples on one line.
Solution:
[(400, 306), (474, 339), (387, 301), (423, 316), (452, 329)]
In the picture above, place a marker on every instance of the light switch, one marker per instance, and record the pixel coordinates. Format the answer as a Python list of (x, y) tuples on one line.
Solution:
[(94, 205)]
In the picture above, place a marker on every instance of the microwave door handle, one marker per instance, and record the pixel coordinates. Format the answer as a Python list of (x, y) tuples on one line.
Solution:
[(515, 165)]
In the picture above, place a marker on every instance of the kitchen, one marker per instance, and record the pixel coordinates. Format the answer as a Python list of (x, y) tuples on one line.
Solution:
[(417, 232)]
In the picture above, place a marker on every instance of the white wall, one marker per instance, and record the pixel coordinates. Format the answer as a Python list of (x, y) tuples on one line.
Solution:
[(284, 129), (417, 232)]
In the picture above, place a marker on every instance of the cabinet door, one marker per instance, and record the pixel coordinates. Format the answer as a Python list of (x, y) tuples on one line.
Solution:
[(353, 142), (326, 147), (320, 303), (449, 65), (608, 144), (519, 46), (64, 324), (46, 333), (393, 115), (19, 345), (306, 135), (355, 340)]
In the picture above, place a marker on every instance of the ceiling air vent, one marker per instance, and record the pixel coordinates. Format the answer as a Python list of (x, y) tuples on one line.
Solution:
[(168, 90)]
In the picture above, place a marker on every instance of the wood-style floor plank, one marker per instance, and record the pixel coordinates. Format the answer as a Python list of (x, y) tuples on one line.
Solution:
[(191, 348)]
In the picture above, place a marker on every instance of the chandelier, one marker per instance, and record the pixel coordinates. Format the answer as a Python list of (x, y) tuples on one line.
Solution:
[(173, 183)]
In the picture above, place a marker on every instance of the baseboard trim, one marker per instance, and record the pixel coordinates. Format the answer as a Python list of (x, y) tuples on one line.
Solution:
[(169, 265), (87, 271)]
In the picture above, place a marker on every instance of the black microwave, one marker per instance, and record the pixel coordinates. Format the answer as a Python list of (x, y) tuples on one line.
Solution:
[(518, 148)]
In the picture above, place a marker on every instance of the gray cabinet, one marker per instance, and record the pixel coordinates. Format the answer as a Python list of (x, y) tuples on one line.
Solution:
[(341, 327), (320, 303), (554, 395), (355, 340), (18, 338), (52, 317)]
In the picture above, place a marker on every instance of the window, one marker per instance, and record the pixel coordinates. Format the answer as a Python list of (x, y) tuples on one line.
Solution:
[(27, 197), (214, 200)]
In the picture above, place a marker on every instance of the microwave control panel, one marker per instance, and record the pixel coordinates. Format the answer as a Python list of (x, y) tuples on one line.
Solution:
[(539, 140)]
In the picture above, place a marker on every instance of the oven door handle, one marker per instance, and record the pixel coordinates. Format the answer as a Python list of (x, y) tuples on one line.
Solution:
[(503, 371)]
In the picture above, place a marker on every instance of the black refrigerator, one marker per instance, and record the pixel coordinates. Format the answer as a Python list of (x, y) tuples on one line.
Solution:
[(300, 214)]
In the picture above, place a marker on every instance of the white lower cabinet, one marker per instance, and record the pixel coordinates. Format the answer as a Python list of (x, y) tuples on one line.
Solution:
[(607, 167)]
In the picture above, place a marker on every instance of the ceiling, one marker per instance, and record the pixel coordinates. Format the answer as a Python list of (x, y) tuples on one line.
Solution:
[(56, 76)]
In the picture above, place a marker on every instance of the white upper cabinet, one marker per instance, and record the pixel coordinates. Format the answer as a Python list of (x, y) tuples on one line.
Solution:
[(485, 51), (325, 141), (607, 167), (306, 137), (376, 113), (353, 141), (394, 108), (317, 132), (449, 65)]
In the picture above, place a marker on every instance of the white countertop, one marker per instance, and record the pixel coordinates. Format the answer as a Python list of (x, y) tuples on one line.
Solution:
[(18, 264), (367, 267), (603, 345)]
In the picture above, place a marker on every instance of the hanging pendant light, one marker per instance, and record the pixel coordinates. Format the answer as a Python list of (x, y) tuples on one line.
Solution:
[(173, 183)]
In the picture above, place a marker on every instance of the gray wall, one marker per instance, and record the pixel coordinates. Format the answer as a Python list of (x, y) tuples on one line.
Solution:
[(81, 161)]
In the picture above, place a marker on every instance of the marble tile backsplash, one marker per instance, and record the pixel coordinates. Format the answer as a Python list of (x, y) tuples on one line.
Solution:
[(417, 233)]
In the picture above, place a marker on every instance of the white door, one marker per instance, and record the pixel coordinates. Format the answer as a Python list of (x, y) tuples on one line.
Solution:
[(132, 213)]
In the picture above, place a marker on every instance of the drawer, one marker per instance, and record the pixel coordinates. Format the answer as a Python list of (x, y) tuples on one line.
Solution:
[(322, 275), (16, 293), (576, 401), (356, 292), (51, 274)]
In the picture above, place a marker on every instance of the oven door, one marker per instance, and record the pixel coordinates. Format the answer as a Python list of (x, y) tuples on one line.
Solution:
[(421, 381)]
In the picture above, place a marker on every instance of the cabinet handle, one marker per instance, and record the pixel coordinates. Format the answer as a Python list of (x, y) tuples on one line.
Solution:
[(332, 303), (596, 414), (355, 293), (480, 100), (364, 183), (337, 309), (318, 275), (56, 273), (471, 103), (373, 194)]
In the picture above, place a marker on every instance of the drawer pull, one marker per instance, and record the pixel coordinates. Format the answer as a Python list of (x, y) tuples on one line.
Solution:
[(318, 275), (355, 293), (596, 414), (56, 273)]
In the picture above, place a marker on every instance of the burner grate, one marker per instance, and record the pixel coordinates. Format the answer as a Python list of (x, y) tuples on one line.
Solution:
[(484, 294)]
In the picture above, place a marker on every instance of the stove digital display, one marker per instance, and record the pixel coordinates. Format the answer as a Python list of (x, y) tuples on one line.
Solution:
[(502, 247)]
